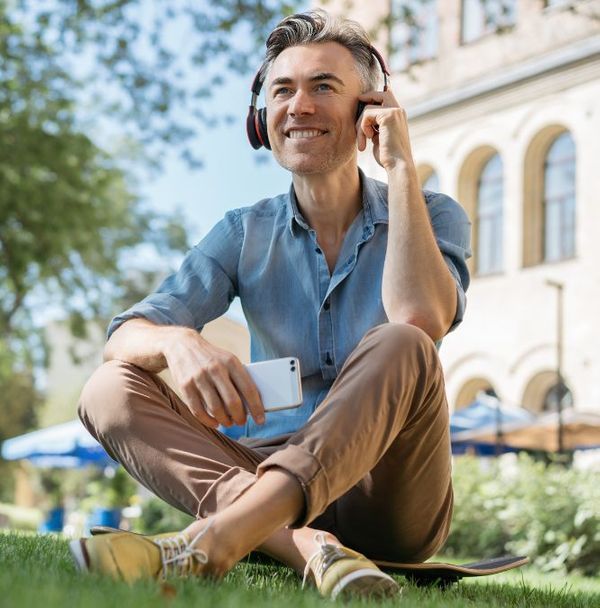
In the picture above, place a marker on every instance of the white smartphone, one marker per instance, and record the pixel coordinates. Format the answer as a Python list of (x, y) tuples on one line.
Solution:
[(278, 382)]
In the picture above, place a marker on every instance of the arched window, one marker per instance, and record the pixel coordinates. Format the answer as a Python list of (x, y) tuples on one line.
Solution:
[(432, 182), (471, 390), (559, 199), (557, 393), (489, 217)]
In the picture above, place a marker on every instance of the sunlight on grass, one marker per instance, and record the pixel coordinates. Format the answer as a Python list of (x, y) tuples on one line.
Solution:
[(37, 571)]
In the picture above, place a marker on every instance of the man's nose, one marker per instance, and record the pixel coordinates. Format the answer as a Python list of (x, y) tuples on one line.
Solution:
[(301, 103)]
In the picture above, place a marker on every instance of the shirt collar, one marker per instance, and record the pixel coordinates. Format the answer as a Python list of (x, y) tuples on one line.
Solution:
[(295, 218), (374, 201)]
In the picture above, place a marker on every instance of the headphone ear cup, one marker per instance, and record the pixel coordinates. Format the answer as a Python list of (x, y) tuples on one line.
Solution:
[(251, 130), (359, 110), (262, 128)]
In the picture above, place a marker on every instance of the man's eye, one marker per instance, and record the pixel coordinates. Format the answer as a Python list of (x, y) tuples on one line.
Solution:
[(282, 91), (323, 87)]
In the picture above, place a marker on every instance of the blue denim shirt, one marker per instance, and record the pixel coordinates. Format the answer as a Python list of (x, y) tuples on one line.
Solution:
[(268, 256)]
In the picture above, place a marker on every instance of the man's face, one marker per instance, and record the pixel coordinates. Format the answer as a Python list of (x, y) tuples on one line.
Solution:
[(312, 93)]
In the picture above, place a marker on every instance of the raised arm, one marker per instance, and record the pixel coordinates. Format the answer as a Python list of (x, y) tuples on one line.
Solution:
[(418, 287)]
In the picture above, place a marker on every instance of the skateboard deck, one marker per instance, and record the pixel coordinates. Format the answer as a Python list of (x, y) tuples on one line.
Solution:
[(444, 574), (425, 574)]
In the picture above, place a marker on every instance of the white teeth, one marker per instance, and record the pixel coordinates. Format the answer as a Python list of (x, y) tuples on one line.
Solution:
[(300, 134)]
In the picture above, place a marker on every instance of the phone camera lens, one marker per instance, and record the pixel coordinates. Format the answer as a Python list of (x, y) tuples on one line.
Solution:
[(291, 362), (293, 368)]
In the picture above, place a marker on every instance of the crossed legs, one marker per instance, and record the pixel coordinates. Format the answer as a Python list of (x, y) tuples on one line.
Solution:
[(375, 455)]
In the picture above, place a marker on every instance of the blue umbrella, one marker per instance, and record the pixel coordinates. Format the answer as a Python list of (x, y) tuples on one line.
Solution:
[(581, 431), (67, 445), (485, 412)]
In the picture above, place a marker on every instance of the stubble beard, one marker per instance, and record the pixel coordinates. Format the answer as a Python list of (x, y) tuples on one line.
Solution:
[(305, 164)]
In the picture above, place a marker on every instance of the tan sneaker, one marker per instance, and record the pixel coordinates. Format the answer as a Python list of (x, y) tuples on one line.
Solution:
[(340, 572), (129, 556)]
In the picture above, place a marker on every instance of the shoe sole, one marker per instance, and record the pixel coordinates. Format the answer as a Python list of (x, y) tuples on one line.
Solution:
[(367, 583), (79, 555)]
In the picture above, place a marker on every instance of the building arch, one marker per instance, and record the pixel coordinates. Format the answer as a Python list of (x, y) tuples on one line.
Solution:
[(541, 389), (471, 373), (534, 167), (428, 177), (470, 389), (536, 390), (468, 193), (540, 117)]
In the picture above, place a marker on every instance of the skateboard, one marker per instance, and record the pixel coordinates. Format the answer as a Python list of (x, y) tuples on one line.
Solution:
[(423, 574), (443, 574)]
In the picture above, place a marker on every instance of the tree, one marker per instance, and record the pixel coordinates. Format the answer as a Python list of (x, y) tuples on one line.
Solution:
[(70, 219), (68, 214), (147, 63)]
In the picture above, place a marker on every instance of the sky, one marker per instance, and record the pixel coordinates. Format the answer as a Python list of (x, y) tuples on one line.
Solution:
[(231, 176)]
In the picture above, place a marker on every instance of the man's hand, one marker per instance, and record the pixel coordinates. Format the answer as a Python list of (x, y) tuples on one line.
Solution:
[(384, 122), (214, 383)]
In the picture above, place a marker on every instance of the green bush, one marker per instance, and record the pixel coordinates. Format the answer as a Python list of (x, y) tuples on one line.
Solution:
[(157, 516), (548, 512)]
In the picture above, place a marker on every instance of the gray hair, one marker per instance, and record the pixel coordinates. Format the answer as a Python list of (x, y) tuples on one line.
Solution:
[(318, 26)]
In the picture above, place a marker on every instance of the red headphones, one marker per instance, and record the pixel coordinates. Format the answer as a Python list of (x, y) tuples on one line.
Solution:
[(256, 121)]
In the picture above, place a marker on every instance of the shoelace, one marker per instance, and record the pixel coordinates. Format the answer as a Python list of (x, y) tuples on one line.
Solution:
[(178, 555), (329, 554)]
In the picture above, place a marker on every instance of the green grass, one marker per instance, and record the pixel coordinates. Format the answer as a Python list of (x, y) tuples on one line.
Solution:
[(37, 571)]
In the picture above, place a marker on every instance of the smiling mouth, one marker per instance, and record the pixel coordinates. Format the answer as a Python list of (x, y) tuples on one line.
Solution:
[(304, 133)]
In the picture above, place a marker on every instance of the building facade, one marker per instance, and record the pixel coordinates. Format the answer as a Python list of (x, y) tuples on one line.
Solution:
[(503, 100)]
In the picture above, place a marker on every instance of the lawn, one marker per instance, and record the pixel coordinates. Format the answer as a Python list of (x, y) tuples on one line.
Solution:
[(37, 571)]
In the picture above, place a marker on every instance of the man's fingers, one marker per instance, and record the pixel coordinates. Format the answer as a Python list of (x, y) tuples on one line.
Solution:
[(249, 393), (196, 406), (361, 140), (214, 404), (366, 126), (231, 398)]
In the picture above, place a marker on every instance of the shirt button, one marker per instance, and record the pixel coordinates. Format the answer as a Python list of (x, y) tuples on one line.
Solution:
[(328, 359), (326, 306), (318, 250)]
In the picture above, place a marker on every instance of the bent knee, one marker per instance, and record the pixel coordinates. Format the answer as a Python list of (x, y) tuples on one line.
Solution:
[(403, 332), (105, 399), (401, 339)]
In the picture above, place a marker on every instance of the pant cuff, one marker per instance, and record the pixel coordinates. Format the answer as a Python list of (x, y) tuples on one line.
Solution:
[(224, 491), (312, 478)]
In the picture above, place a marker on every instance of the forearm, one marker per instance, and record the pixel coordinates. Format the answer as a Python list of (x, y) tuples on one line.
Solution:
[(417, 285), (142, 343)]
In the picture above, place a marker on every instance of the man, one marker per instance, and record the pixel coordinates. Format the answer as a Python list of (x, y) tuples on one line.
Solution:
[(358, 281)]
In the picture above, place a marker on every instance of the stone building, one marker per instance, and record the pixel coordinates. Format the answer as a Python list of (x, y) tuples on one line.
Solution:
[(503, 99)]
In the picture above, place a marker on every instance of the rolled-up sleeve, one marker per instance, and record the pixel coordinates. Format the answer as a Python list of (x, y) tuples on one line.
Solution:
[(452, 230), (203, 287)]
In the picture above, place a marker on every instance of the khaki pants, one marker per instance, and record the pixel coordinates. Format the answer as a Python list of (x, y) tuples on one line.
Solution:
[(373, 459)]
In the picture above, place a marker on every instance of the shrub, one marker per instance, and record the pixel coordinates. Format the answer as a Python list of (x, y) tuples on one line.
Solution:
[(548, 512), (157, 516)]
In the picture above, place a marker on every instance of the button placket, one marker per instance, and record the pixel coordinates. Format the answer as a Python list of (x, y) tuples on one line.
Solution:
[(324, 319)]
